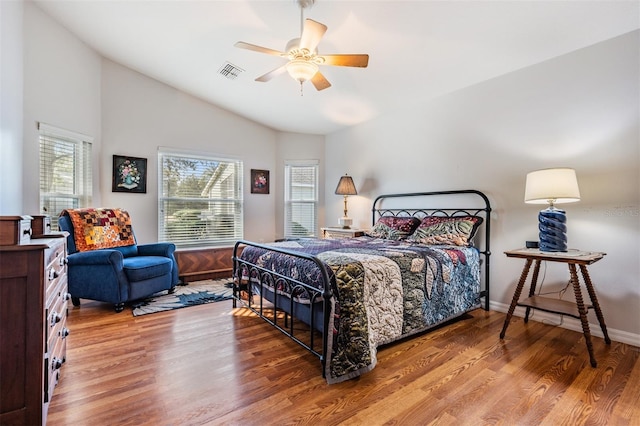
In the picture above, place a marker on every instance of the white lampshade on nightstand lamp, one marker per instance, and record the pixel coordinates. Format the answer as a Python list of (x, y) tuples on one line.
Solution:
[(346, 187), (552, 186)]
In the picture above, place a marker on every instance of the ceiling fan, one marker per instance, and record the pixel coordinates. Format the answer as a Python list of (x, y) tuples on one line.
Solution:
[(302, 56)]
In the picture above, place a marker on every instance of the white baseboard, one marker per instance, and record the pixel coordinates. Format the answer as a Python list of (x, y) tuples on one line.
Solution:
[(569, 323)]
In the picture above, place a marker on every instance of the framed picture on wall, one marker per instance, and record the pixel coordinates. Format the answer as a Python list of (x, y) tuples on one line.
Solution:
[(259, 181), (129, 174)]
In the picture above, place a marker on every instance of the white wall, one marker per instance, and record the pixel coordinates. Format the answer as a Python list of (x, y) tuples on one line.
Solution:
[(296, 146), (68, 85), (140, 114), (580, 110), (11, 105), (61, 88)]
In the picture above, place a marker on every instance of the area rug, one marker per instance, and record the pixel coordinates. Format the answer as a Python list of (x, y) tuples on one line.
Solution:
[(195, 293)]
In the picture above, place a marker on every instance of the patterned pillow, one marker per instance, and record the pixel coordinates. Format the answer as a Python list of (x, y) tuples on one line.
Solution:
[(442, 230), (394, 228)]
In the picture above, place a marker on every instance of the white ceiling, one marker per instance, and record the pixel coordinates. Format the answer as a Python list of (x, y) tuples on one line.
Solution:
[(418, 49)]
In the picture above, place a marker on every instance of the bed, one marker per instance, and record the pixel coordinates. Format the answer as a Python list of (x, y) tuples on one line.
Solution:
[(424, 262)]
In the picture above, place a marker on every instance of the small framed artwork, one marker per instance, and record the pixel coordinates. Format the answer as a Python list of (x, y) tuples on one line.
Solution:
[(259, 181), (129, 174)]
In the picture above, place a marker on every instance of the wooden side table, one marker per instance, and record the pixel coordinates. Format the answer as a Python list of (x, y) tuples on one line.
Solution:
[(341, 233), (576, 310)]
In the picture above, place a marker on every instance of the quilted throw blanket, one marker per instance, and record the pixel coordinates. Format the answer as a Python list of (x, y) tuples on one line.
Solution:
[(385, 290), (99, 228)]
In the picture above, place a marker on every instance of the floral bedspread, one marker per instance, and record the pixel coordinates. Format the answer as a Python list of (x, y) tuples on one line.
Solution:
[(384, 290)]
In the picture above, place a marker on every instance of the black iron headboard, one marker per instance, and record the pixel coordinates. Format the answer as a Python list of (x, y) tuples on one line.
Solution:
[(471, 203)]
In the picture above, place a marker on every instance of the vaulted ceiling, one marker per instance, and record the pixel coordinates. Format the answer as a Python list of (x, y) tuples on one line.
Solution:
[(418, 49)]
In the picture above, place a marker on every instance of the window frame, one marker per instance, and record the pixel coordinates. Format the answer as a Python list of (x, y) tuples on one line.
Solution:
[(289, 201), (235, 204), (81, 194)]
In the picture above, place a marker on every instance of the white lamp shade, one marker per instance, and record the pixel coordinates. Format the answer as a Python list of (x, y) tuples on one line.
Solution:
[(551, 186), (301, 70)]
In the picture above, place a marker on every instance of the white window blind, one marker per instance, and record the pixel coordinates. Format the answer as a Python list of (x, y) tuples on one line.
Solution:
[(301, 199), (65, 171), (200, 199)]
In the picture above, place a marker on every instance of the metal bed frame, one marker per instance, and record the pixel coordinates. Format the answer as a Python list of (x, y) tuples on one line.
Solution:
[(282, 310)]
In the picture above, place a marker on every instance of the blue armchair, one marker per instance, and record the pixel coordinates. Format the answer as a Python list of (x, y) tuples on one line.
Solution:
[(118, 274)]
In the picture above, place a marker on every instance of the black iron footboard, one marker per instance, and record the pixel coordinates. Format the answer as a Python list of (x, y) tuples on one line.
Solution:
[(256, 281)]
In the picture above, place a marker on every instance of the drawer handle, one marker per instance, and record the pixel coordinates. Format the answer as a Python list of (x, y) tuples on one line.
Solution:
[(56, 363), (27, 231), (67, 296), (64, 332), (55, 318), (53, 274), (63, 261)]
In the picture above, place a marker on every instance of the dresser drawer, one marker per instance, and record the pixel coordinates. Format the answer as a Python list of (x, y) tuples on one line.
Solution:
[(56, 321), (15, 230), (57, 288), (54, 363), (56, 254), (40, 225), (55, 271), (57, 333)]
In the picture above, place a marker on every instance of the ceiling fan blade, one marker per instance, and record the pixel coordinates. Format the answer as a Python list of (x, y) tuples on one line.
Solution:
[(311, 34), (320, 82), (260, 49), (357, 60), (274, 73)]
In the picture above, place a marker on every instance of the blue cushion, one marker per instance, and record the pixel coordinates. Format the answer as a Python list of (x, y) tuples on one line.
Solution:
[(140, 268), (127, 251)]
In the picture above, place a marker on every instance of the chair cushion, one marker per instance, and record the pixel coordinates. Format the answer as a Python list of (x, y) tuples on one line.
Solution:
[(128, 251), (140, 268)]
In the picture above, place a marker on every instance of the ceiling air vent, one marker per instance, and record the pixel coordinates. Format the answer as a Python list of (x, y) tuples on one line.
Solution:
[(230, 71)]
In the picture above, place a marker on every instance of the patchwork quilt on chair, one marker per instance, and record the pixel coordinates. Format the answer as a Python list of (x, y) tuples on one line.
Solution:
[(99, 228)]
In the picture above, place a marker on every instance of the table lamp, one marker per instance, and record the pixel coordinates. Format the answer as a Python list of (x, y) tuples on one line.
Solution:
[(346, 187), (552, 186)]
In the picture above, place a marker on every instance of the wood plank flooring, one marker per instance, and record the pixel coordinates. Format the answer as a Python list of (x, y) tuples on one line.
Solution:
[(213, 364)]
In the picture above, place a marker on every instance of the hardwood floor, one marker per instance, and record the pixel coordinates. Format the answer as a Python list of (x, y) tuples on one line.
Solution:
[(212, 364)]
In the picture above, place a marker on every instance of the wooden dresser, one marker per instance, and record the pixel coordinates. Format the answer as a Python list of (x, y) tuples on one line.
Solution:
[(33, 314)]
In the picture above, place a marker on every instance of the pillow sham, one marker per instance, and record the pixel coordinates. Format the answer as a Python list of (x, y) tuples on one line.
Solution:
[(444, 230), (394, 228)]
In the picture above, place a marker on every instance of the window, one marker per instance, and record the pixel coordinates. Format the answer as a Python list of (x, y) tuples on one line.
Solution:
[(200, 199), (301, 199), (65, 171)]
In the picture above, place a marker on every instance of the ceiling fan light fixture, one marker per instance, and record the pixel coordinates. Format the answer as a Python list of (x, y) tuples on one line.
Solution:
[(302, 54), (301, 70)]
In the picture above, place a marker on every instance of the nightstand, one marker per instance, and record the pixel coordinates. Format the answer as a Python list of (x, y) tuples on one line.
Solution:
[(341, 232), (576, 310)]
